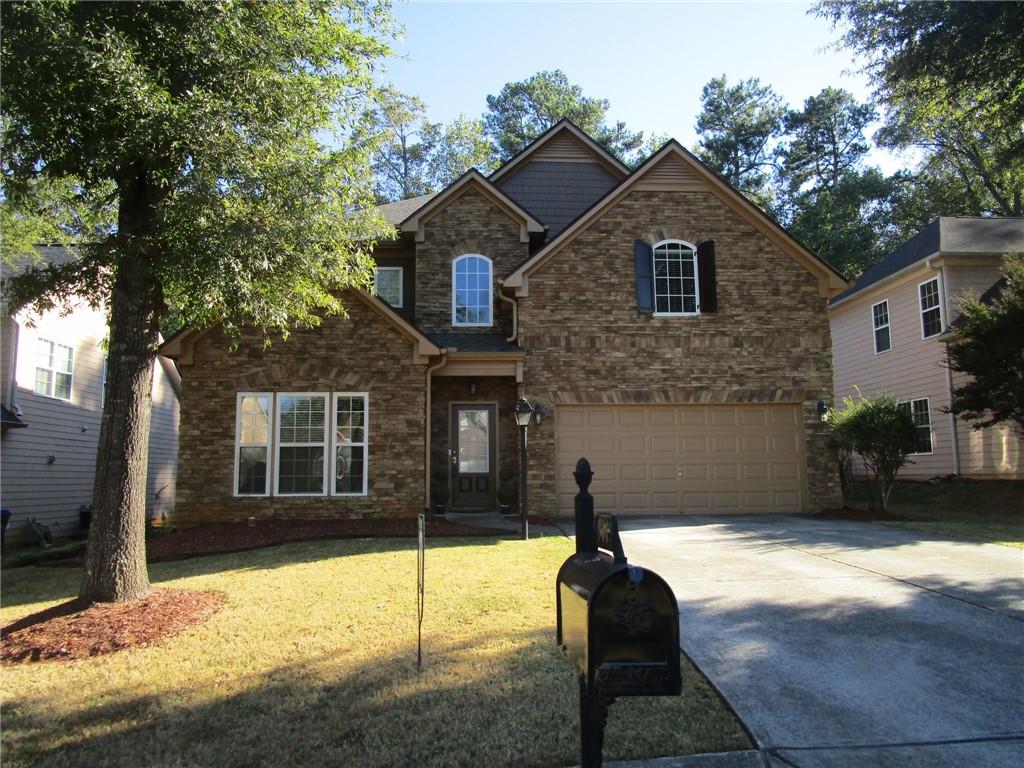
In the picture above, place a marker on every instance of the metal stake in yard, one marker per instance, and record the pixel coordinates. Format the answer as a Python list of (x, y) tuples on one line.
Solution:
[(421, 551)]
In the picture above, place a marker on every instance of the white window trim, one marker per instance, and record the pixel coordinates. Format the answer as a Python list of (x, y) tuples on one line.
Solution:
[(875, 329), (696, 280), (278, 445), (931, 431), (401, 286), (942, 312), (365, 444), (53, 380), (238, 442), (490, 291)]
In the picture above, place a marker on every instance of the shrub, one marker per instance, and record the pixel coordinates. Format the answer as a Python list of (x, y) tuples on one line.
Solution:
[(881, 431)]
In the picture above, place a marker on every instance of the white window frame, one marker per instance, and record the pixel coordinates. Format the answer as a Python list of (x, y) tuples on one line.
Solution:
[(278, 444), (876, 328), (921, 310), (401, 286), (490, 291), (52, 389), (365, 444), (931, 431), (696, 279), (269, 444)]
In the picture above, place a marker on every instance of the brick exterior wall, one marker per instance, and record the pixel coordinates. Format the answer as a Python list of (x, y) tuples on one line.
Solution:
[(468, 224), (585, 342), (490, 389), (361, 353)]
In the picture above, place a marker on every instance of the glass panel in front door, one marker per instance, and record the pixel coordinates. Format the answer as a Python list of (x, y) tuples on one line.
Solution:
[(474, 432)]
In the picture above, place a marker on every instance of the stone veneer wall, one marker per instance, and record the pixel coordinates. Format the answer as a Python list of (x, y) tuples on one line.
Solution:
[(455, 389), (585, 342), (469, 224), (361, 353)]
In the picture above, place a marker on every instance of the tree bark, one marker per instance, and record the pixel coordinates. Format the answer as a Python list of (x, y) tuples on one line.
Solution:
[(115, 562)]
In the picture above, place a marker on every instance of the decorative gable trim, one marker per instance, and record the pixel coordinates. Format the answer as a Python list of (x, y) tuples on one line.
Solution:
[(472, 179), (676, 169), (562, 143), (180, 347)]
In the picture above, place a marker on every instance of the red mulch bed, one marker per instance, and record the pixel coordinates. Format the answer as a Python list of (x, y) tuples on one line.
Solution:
[(72, 631)]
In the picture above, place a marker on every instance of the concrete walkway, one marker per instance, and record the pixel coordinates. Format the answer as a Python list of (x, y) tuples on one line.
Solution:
[(850, 644)]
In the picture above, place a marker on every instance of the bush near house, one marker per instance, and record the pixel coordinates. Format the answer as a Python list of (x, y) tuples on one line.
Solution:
[(881, 431)]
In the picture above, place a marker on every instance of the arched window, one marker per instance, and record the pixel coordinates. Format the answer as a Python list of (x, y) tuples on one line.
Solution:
[(676, 290), (472, 290)]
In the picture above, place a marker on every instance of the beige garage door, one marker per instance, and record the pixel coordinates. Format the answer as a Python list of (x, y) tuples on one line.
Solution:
[(689, 459)]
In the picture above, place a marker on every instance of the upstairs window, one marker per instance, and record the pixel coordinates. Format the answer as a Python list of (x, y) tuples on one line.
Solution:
[(55, 364), (931, 308), (387, 284), (675, 278), (472, 291), (880, 321)]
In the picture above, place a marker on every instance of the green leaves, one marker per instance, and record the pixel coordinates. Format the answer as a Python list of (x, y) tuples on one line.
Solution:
[(881, 431), (217, 114), (989, 348), (523, 110)]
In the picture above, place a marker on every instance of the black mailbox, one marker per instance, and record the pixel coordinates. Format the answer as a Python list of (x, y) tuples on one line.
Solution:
[(618, 623), (619, 626)]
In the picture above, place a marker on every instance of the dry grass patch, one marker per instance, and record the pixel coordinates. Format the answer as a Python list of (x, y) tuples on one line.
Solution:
[(312, 661)]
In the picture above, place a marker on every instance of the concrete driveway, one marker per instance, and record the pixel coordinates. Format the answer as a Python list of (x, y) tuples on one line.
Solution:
[(850, 644)]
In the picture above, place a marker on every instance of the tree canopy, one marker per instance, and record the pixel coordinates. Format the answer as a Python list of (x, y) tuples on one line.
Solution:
[(949, 75), (523, 110), (205, 124), (737, 126)]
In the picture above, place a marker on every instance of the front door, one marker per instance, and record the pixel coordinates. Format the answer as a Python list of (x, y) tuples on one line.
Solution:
[(472, 457)]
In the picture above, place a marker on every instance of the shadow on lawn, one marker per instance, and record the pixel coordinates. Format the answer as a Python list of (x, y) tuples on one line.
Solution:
[(48, 583), (470, 706)]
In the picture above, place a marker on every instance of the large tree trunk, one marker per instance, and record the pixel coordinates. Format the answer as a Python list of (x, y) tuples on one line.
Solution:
[(115, 561)]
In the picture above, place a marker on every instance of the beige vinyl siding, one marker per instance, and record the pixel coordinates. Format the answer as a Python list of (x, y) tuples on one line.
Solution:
[(564, 148), (163, 447), (964, 281), (992, 453), (33, 485), (910, 370)]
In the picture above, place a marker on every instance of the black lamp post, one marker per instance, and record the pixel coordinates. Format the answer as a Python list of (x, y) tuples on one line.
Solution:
[(524, 413)]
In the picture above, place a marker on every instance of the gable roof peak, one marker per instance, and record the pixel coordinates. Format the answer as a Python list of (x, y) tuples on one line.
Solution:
[(564, 126)]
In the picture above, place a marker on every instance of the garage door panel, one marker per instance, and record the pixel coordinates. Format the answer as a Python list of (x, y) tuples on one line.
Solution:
[(683, 458)]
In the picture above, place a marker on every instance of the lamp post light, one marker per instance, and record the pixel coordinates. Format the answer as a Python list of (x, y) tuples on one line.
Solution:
[(524, 413)]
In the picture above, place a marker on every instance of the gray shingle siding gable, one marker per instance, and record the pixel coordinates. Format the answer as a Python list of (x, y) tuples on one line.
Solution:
[(556, 193)]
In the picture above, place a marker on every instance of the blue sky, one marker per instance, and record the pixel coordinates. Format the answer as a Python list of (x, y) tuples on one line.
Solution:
[(650, 60)]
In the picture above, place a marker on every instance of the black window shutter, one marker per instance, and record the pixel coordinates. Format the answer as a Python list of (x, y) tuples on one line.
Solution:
[(642, 256), (706, 276)]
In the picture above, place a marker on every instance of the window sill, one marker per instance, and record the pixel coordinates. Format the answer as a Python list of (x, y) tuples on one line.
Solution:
[(677, 314)]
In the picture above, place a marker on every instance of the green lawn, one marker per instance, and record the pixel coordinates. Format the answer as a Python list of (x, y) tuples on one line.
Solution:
[(985, 511), (313, 662)]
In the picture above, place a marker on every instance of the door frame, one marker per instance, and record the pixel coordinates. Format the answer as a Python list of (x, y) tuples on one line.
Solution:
[(495, 435)]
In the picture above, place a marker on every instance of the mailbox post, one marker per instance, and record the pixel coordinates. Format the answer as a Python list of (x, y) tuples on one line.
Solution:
[(618, 623)]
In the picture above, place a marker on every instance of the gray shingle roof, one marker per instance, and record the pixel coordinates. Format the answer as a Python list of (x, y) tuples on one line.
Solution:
[(397, 212), (557, 192), (474, 342), (960, 235), (46, 254)]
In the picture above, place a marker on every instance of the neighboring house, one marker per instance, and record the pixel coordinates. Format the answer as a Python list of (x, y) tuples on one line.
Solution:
[(671, 332), (889, 334), (52, 374)]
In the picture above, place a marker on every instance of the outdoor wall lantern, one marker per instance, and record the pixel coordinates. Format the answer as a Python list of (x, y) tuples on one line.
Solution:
[(822, 411), (472, 388), (523, 413)]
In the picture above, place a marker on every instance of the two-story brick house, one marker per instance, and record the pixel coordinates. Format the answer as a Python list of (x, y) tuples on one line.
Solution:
[(889, 334), (669, 330)]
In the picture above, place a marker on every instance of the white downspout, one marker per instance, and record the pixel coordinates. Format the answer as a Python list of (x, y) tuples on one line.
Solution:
[(948, 309)]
